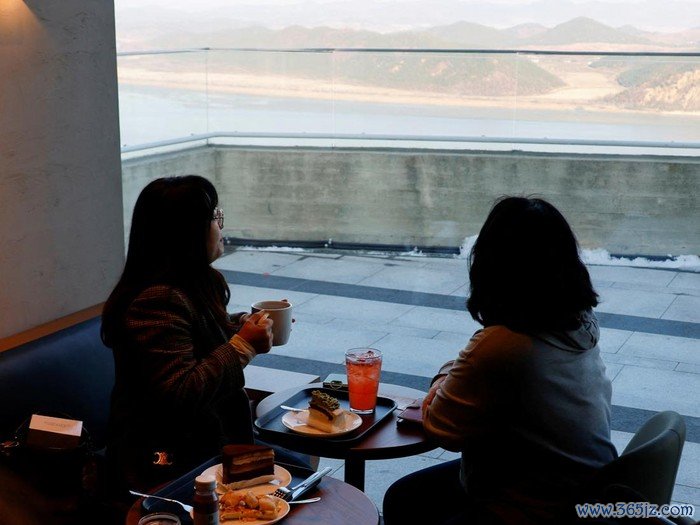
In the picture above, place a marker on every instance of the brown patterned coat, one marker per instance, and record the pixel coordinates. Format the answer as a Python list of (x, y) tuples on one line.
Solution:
[(178, 389)]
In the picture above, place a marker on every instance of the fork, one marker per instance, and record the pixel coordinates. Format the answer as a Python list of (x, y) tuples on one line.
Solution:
[(187, 508), (288, 493)]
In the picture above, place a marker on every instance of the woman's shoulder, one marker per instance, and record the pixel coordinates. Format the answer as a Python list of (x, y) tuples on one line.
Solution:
[(498, 343), (162, 296), (161, 290)]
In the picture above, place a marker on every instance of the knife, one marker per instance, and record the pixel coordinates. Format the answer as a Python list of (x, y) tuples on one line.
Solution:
[(309, 483)]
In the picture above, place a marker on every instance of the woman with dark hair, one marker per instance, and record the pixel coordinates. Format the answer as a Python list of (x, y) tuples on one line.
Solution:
[(527, 402), (179, 357)]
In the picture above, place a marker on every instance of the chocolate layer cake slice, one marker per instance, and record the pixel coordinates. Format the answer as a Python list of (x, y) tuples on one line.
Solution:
[(246, 462)]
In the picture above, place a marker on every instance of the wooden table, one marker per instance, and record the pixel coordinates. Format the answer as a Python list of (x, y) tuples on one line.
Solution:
[(341, 504), (386, 441)]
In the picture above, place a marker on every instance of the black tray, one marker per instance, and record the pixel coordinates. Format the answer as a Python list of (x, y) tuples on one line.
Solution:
[(270, 424), (182, 489)]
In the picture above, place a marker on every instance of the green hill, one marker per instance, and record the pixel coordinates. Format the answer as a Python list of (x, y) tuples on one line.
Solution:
[(584, 30), (446, 73), (475, 36), (671, 86), (523, 31)]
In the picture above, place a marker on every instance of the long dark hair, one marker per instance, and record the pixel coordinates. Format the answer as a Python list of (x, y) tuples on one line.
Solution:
[(525, 271), (168, 246)]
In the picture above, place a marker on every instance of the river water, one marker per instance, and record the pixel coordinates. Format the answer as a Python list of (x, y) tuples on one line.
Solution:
[(150, 114)]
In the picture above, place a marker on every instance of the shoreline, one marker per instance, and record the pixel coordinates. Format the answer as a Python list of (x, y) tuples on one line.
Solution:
[(561, 99)]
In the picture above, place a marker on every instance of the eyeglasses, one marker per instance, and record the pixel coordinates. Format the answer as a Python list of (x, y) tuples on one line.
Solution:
[(219, 217)]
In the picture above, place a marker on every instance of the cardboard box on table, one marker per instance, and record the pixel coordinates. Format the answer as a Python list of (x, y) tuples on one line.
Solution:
[(54, 432)]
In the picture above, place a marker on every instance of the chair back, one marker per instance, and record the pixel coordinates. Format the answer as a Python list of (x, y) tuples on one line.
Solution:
[(649, 463)]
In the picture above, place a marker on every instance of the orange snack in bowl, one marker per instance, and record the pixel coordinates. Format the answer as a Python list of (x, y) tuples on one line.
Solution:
[(247, 507)]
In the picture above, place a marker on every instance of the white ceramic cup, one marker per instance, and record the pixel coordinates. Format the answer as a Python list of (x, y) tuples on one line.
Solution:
[(281, 314)]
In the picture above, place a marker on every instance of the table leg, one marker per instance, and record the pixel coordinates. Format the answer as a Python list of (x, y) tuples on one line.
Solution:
[(355, 473)]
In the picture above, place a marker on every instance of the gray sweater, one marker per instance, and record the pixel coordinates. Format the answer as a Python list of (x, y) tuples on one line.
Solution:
[(531, 416)]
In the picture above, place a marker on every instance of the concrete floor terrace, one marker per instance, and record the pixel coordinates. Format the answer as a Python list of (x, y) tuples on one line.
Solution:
[(412, 309)]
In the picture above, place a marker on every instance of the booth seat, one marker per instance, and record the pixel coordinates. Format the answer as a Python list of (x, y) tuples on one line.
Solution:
[(69, 373)]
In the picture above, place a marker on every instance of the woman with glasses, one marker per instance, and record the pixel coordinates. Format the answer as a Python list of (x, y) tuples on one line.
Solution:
[(179, 356), (527, 402)]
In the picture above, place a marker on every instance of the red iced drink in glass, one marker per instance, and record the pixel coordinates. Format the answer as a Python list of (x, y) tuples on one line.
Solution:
[(364, 367)]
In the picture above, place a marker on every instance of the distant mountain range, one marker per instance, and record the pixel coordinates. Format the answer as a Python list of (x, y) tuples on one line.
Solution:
[(579, 31), (646, 83)]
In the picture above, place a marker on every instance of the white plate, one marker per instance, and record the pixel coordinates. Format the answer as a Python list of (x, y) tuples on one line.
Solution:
[(284, 510), (281, 473), (296, 422)]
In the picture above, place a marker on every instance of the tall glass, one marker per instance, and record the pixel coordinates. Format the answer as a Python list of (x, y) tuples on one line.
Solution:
[(364, 367)]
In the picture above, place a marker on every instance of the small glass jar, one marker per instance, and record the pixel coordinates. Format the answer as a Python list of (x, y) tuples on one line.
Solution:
[(206, 502)]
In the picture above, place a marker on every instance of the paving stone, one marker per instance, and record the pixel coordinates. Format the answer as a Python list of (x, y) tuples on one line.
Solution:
[(456, 341), (351, 324), (320, 255), (612, 370), (634, 302), (624, 274), (620, 439), (433, 454), (600, 283), (448, 455), (385, 261), (462, 292), (612, 339), (335, 464), (411, 257), (689, 469), (415, 279), (301, 317), (351, 272), (354, 309), (325, 343), (653, 389), (448, 264), (685, 367), (233, 308), (408, 355), (456, 321), (685, 280), (241, 294), (255, 261), (655, 288), (684, 308), (670, 348), (688, 495), (379, 475), (661, 364)]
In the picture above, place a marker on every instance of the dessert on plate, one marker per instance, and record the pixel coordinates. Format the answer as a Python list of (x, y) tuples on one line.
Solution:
[(325, 413), (245, 462)]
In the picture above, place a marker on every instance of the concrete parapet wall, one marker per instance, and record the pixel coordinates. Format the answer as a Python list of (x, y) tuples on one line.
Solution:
[(627, 205)]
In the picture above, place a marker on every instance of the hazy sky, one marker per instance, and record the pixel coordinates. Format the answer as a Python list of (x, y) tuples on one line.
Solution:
[(660, 15), (199, 4)]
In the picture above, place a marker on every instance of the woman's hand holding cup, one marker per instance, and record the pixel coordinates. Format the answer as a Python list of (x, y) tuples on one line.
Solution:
[(281, 313), (257, 330)]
